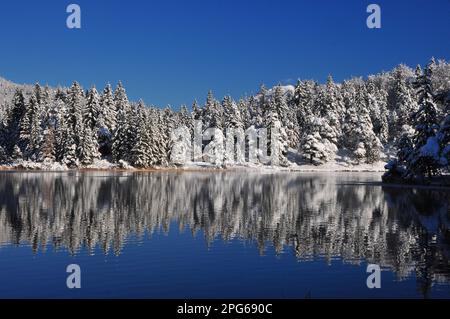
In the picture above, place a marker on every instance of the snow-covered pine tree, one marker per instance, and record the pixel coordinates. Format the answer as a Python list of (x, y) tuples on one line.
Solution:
[(37, 91), (68, 147), (234, 127), (70, 126), (382, 125), (47, 106), (185, 118), (141, 151), (31, 127), (232, 112), (334, 108), (303, 103), (197, 111), (16, 115), (213, 113), (47, 152), (244, 109), (167, 126), (25, 125), (51, 108), (277, 141), (313, 147), (92, 110), (358, 129), (74, 114), (16, 154), (107, 121), (405, 146), (121, 145), (372, 102), (254, 116), (424, 159), (155, 144), (60, 124), (108, 112), (405, 103), (262, 106), (3, 156), (160, 134), (88, 145), (443, 138), (329, 108), (286, 116)]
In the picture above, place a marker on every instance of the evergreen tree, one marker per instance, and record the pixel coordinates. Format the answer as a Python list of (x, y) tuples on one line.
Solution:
[(47, 152), (277, 141), (60, 125), (108, 110), (16, 115), (141, 153), (3, 156), (303, 102), (88, 146), (213, 113), (233, 117), (185, 118), (426, 125), (286, 117), (443, 137), (314, 147), (16, 154), (121, 146), (405, 104), (74, 115), (358, 130), (92, 111), (197, 112), (31, 127)]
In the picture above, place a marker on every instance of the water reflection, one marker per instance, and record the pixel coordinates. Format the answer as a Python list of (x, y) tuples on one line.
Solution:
[(341, 215)]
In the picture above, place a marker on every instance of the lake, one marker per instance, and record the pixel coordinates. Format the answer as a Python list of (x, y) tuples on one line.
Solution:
[(234, 234)]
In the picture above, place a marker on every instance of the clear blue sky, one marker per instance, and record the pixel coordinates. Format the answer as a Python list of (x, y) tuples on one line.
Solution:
[(171, 52)]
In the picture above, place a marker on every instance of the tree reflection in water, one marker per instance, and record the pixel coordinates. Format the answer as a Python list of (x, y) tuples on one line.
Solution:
[(313, 215)]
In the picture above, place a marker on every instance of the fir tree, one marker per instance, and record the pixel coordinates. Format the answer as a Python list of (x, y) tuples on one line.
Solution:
[(16, 115), (74, 118), (108, 110), (47, 152), (3, 156), (121, 145), (88, 146), (141, 152), (92, 111), (425, 124)]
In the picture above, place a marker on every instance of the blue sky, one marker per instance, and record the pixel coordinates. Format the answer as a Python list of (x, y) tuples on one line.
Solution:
[(171, 52)]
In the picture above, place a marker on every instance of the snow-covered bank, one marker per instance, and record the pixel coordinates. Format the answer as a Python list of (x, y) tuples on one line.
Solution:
[(104, 165)]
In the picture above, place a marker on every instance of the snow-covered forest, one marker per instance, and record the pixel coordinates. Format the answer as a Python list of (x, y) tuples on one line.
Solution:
[(402, 115)]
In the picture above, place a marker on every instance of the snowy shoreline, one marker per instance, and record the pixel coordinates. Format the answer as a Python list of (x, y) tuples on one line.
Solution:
[(197, 166)]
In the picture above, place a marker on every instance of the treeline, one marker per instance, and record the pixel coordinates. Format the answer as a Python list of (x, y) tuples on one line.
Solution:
[(357, 119)]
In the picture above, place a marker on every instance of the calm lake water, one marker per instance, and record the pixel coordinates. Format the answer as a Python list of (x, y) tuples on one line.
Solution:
[(221, 235)]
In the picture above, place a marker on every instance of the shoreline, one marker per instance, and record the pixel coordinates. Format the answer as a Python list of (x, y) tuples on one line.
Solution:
[(202, 168), (252, 169)]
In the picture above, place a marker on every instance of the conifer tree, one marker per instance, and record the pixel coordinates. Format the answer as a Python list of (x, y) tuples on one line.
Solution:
[(426, 124)]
